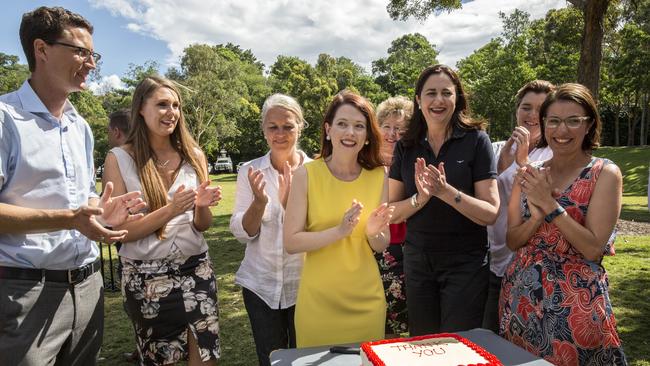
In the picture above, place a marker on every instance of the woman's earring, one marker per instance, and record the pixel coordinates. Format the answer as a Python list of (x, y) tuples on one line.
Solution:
[(366, 143), (327, 137)]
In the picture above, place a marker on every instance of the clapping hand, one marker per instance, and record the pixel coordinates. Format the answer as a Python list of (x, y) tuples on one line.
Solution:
[(257, 183), (351, 218), (423, 179), (284, 183), (438, 179), (183, 200), (207, 196), (520, 136), (379, 219), (537, 184), (120, 209)]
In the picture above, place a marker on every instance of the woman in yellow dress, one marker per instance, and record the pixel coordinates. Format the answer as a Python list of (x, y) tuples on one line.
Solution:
[(337, 214)]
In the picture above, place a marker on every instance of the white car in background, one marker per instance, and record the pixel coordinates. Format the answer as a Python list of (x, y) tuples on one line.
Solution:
[(223, 165)]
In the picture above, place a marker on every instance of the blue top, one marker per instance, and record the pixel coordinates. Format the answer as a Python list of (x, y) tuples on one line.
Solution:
[(439, 227), (45, 163)]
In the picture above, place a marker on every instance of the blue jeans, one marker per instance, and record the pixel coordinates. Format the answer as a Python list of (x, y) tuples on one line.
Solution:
[(272, 328)]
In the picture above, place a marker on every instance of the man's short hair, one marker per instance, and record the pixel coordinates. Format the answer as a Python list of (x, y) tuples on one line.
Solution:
[(120, 119), (47, 24)]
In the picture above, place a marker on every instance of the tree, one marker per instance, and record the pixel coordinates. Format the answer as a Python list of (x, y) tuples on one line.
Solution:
[(591, 52), (90, 108), (593, 13), (408, 55), (223, 88), (12, 74), (553, 43), (494, 73)]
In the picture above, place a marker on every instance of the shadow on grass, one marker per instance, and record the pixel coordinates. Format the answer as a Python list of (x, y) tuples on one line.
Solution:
[(224, 178), (635, 212)]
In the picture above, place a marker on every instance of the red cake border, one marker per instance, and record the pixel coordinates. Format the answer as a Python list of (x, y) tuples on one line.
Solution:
[(374, 359)]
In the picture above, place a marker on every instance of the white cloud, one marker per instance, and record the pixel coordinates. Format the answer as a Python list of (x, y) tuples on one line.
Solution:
[(106, 84), (360, 30)]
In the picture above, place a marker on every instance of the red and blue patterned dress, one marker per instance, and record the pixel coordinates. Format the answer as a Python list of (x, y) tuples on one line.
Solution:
[(555, 303)]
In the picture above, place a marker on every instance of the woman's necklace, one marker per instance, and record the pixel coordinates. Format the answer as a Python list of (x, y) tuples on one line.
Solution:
[(163, 164)]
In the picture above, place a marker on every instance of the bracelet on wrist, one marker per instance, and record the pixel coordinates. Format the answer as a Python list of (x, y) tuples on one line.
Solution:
[(414, 201), (555, 213)]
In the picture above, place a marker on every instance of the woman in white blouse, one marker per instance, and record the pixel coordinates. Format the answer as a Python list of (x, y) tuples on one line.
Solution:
[(268, 274)]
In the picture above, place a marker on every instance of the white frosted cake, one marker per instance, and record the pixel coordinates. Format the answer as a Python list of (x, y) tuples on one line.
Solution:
[(445, 349)]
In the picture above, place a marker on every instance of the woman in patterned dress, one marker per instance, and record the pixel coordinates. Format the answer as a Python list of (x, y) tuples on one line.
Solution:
[(393, 115), (167, 279), (554, 298)]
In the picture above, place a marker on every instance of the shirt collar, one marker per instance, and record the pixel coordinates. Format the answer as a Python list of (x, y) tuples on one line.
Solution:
[(32, 103), (266, 159), (456, 133)]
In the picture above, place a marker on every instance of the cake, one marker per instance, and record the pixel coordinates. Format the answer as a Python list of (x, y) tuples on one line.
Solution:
[(445, 349)]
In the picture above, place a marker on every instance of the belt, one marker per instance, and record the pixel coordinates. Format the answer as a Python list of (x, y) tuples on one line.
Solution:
[(70, 276)]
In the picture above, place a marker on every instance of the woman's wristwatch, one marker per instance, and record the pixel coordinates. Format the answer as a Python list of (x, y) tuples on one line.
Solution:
[(555, 213)]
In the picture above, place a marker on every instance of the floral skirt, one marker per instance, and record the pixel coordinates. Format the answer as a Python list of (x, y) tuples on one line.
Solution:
[(166, 297), (391, 269)]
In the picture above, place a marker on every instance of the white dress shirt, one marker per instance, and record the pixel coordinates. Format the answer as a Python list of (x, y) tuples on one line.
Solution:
[(267, 269), (500, 254)]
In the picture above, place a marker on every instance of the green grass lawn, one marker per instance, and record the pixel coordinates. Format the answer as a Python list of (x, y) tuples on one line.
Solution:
[(633, 162), (629, 274)]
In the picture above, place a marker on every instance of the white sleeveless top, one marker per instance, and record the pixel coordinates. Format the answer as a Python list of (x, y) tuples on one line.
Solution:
[(179, 230)]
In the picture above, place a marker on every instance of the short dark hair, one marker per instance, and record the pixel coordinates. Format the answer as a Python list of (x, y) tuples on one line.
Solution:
[(581, 95), (536, 86), (47, 24), (369, 157), (121, 120)]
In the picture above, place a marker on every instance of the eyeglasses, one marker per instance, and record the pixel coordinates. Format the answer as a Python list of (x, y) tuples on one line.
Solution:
[(82, 52), (570, 122), (397, 130)]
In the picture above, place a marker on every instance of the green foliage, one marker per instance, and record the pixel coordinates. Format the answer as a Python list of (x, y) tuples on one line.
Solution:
[(223, 91), (494, 73), (408, 55), (420, 9), (553, 45), (90, 107), (12, 74), (136, 73)]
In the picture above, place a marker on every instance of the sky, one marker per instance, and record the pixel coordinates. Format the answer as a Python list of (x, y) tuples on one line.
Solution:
[(135, 31)]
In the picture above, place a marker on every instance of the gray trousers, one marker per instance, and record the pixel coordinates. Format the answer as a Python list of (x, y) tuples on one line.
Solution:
[(51, 323)]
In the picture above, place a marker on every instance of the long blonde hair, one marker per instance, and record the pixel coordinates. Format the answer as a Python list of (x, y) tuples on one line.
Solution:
[(182, 141)]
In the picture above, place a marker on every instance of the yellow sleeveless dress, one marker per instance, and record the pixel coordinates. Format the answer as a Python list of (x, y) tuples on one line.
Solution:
[(341, 297)]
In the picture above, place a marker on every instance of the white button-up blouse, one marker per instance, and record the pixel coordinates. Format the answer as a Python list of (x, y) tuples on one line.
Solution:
[(267, 269)]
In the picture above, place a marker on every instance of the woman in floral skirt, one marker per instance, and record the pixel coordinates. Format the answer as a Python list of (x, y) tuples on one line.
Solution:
[(167, 278)]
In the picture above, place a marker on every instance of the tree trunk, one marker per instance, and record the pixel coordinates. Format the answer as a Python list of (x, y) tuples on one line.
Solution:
[(644, 119), (617, 121), (592, 44)]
